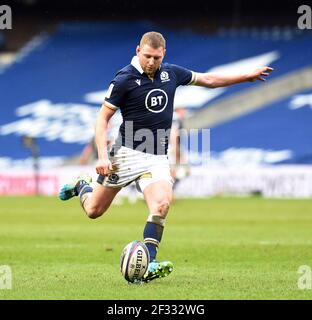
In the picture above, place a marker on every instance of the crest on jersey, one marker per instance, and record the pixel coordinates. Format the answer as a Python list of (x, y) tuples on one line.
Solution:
[(164, 76)]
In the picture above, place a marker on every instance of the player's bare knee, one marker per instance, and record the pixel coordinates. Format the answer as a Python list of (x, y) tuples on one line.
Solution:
[(93, 215), (163, 207), (94, 212)]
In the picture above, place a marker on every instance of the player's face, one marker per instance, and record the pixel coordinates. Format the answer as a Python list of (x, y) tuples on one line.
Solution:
[(150, 58)]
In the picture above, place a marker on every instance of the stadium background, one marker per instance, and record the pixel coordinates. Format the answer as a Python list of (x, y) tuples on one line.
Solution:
[(62, 56), (55, 65)]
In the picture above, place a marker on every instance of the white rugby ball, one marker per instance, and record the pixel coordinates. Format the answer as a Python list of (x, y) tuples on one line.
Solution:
[(134, 261)]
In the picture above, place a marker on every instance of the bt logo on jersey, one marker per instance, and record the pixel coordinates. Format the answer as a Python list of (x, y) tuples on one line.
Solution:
[(156, 100)]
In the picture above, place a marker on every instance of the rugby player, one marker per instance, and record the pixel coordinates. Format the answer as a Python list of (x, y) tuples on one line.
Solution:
[(144, 92)]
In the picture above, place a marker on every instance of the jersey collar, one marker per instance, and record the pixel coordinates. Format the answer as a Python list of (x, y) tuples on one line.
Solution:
[(135, 62)]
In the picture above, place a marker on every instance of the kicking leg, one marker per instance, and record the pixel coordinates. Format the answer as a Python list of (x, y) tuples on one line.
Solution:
[(94, 201)]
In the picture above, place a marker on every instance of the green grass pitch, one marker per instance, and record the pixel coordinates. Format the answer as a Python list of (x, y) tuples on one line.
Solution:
[(222, 248)]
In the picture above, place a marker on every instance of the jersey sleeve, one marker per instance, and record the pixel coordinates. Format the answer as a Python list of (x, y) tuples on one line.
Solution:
[(116, 92), (184, 76)]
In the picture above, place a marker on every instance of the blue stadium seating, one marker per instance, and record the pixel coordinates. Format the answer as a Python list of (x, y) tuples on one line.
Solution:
[(277, 128)]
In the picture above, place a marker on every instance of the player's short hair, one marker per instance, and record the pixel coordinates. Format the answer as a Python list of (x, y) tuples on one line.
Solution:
[(153, 39)]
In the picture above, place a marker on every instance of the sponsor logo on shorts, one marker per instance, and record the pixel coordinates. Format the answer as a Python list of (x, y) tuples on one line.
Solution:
[(113, 178)]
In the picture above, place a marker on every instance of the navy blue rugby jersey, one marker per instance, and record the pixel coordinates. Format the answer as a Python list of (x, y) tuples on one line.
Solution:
[(146, 105)]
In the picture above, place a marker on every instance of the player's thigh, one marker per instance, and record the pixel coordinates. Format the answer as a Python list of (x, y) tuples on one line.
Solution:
[(158, 195), (103, 196)]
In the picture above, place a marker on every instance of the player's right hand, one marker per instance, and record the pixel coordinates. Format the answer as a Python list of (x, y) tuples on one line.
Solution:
[(103, 166)]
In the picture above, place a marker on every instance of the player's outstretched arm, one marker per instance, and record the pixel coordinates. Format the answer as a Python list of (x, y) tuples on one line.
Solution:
[(215, 80), (103, 165)]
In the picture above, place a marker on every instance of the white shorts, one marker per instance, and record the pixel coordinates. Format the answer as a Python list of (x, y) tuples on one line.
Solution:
[(130, 165)]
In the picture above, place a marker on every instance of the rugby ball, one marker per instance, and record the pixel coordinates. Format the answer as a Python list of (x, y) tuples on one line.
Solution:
[(134, 261)]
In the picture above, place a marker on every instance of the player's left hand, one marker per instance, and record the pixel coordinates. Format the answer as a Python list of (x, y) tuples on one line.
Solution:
[(259, 74)]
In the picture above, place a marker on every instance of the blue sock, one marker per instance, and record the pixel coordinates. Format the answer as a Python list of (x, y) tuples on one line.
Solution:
[(83, 193), (152, 236), (81, 185)]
